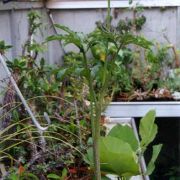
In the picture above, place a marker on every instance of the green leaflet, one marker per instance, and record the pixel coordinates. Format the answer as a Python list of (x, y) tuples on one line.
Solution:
[(62, 177), (151, 164), (126, 134), (53, 176), (148, 129), (117, 157)]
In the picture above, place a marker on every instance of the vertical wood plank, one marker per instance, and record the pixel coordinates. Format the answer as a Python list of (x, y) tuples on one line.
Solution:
[(178, 28)]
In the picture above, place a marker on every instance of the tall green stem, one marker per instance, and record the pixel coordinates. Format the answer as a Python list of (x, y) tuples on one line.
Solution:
[(96, 143), (109, 15), (95, 120)]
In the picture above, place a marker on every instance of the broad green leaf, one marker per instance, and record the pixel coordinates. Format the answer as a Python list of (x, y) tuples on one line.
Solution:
[(147, 128), (117, 157), (126, 134), (151, 165), (53, 176)]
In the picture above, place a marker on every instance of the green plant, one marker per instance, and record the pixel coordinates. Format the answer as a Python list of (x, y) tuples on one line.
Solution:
[(98, 70), (23, 176), (149, 74), (121, 152), (4, 47), (43, 86), (142, 73), (62, 177)]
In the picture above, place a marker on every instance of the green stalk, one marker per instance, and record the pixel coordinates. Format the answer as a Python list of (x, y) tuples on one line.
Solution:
[(95, 113), (109, 15), (96, 138)]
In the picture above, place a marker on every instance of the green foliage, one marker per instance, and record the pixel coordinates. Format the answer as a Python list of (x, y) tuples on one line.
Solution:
[(71, 37), (4, 47), (44, 89), (117, 157), (24, 176), (106, 63), (34, 21), (54, 176), (120, 151), (148, 129), (125, 133), (151, 165), (17, 64), (173, 80), (98, 70)]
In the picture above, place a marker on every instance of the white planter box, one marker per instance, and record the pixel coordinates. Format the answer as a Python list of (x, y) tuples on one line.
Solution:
[(139, 109)]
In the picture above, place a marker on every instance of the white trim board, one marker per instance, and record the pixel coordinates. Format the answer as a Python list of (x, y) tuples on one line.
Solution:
[(52, 4), (139, 109), (13, 5)]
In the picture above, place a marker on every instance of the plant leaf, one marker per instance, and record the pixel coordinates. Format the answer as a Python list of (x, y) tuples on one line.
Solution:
[(88, 158), (127, 39), (147, 128), (64, 173), (126, 134), (117, 157), (55, 37), (53, 176), (151, 164), (62, 73), (64, 28), (70, 37)]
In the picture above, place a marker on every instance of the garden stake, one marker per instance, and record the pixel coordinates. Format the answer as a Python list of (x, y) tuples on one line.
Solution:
[(27, 108)]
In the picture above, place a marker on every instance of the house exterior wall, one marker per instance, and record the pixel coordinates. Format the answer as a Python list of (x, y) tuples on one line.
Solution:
[(14, 25)]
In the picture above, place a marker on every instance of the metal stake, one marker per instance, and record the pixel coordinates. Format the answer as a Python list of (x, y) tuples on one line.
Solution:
[(27, 108)]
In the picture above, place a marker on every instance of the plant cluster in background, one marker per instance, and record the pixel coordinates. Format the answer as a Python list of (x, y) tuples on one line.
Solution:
[(144, 74), (44, 87)]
